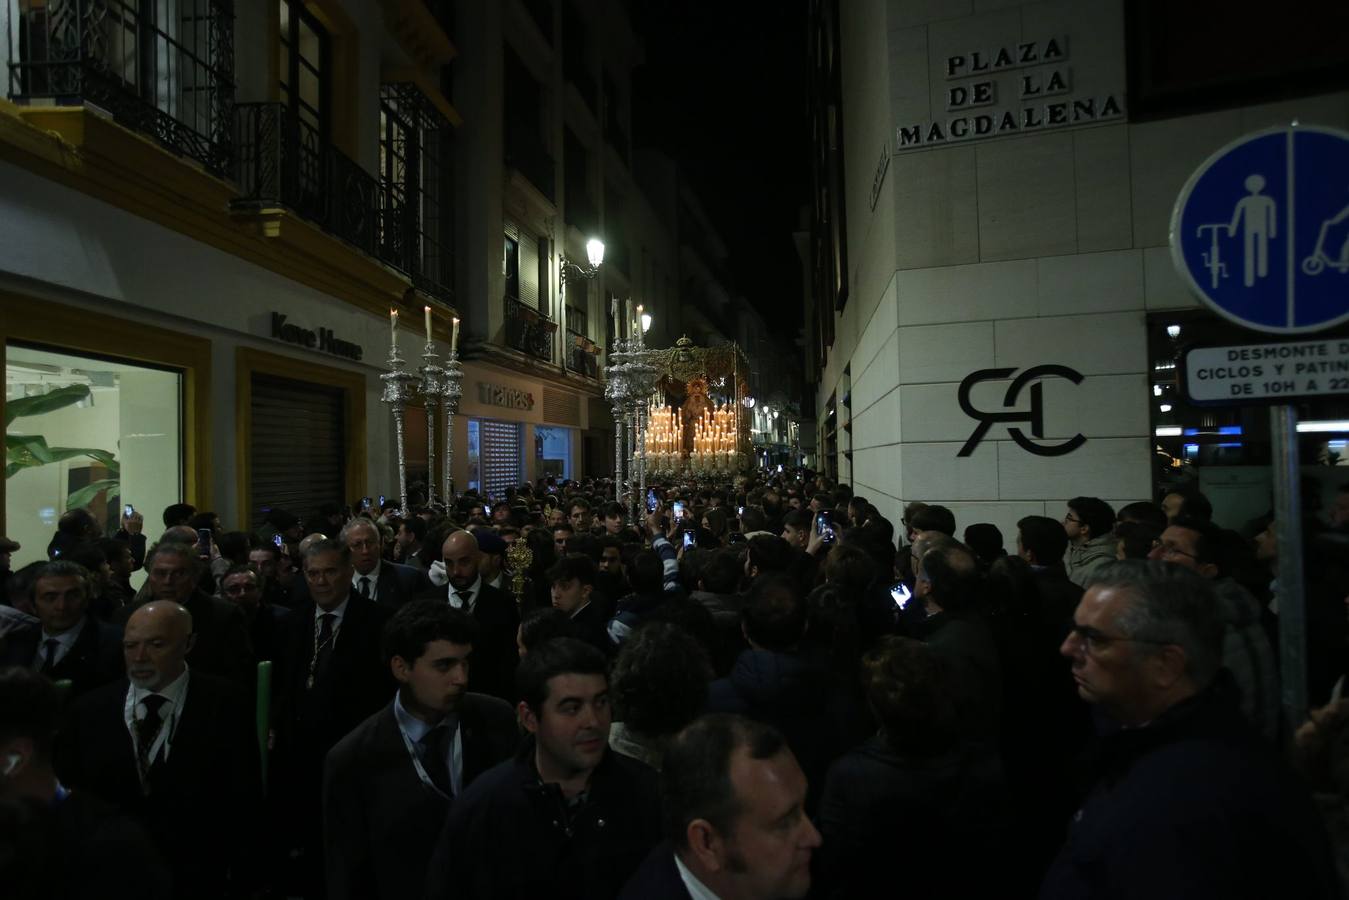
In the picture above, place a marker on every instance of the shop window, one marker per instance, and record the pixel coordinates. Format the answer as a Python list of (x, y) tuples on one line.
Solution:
[(1225, 451), (552, 452), (495, 456), (87, 433)]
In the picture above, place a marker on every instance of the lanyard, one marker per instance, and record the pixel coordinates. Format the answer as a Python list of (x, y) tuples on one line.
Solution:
[(456, 748), (166, 728)]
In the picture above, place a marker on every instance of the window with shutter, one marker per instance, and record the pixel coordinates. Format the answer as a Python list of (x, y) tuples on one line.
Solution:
[(529, 271), (298, 437), (501, 455)]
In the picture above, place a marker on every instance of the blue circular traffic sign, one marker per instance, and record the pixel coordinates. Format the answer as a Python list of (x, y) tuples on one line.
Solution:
[(1261, 230)]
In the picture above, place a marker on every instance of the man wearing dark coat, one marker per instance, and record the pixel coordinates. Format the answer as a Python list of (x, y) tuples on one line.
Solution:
[(565, 818), (391, 781), (67, 643), (330, 676), (175, 748), (1187, 800)]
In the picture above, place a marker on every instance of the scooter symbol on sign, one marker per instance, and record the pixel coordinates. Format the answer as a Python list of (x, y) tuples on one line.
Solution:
[(1313, 264)]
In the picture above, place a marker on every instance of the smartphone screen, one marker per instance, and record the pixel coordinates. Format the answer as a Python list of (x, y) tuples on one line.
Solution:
[(690, 539), (128, 511), (381, 501), (486, 511), (365, 503), (679, 509), (204, 542), (278, 540), (740, 510), (901, 594), (824, 525)]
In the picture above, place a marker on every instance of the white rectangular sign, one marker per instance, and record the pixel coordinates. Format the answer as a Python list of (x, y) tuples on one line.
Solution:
[(1267, 371)]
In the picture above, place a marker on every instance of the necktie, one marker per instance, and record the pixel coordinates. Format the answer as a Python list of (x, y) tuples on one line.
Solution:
[(464, 598), (435, 758), (323, 646), (147, 729), (365, 587), (49, 663)]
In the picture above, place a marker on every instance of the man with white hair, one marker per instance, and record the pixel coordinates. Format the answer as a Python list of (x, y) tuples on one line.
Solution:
[(388, 584)]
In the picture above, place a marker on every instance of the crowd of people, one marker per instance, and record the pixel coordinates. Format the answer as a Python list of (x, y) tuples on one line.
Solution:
[(763, 689)]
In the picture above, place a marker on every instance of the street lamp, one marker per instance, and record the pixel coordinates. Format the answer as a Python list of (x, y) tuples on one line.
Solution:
[(594, 254)]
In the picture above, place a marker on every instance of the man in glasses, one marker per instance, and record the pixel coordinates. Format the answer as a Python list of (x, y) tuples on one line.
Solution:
[(1089, 523), (1183, 789), (1198, 545)]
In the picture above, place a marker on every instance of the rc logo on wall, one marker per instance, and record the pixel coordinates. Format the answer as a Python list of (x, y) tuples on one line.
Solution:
[(1034, 416)]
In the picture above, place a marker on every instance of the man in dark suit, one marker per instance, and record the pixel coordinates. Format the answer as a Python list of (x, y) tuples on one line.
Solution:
[(242, 586), (755, 843), (389, 784), (220, 645), (498, 618), (68, 844), (572, 582), (330, 675), (373, 577), (175, 748), (67, 644)]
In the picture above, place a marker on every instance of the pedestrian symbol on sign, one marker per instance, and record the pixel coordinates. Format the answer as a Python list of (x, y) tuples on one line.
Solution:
[(1271, 206)]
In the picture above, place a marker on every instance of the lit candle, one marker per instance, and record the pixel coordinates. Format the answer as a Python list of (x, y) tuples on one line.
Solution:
[(454, 335), (427, 310), (393, 327)]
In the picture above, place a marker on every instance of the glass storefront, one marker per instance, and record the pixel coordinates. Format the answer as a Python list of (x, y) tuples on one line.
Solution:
[(552, 452), (87, 432), (1224, 451)]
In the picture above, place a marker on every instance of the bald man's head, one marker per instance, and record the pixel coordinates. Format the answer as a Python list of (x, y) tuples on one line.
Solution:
[(156, 642), (179, 534), (462, 556), (311, 540)]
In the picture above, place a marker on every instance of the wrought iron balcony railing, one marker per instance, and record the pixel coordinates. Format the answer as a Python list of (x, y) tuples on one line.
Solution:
[(283, 161), (169, 76), (529, 330), (582, 356)]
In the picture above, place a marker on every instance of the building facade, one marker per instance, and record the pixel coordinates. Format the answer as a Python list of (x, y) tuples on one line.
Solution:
[(211, 208), (993, 189)]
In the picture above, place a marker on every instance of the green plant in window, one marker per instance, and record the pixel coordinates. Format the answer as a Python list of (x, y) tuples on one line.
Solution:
[(28, 451)]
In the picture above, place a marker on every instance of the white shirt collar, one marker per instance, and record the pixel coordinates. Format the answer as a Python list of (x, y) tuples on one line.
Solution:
[(66, 638), (697, 890), (373, 576), (175, 692), (340, 610), (473, 590)]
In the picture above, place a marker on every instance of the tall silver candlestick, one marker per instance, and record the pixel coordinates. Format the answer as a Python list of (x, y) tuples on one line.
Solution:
[(430, 388), (398, 387), (451, 389)]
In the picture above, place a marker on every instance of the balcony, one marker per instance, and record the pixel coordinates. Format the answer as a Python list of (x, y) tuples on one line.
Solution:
[(581, 355), (172, 80), (285, 162), (529, 331), (526, 153)]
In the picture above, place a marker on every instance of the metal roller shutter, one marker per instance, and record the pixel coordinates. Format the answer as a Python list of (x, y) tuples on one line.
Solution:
[(502, 453), (296, 451)]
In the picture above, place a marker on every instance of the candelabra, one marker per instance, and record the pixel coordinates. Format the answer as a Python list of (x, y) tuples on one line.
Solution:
[(451, 389), (398, 388), (642, 381), (430, 388), (617, 386)]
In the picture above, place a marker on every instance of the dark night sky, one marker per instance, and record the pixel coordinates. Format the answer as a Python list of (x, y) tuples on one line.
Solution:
[(723, 91)]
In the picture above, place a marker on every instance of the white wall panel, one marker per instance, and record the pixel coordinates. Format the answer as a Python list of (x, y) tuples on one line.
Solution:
[(936, 353), (1091, 283), (966, 293)]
